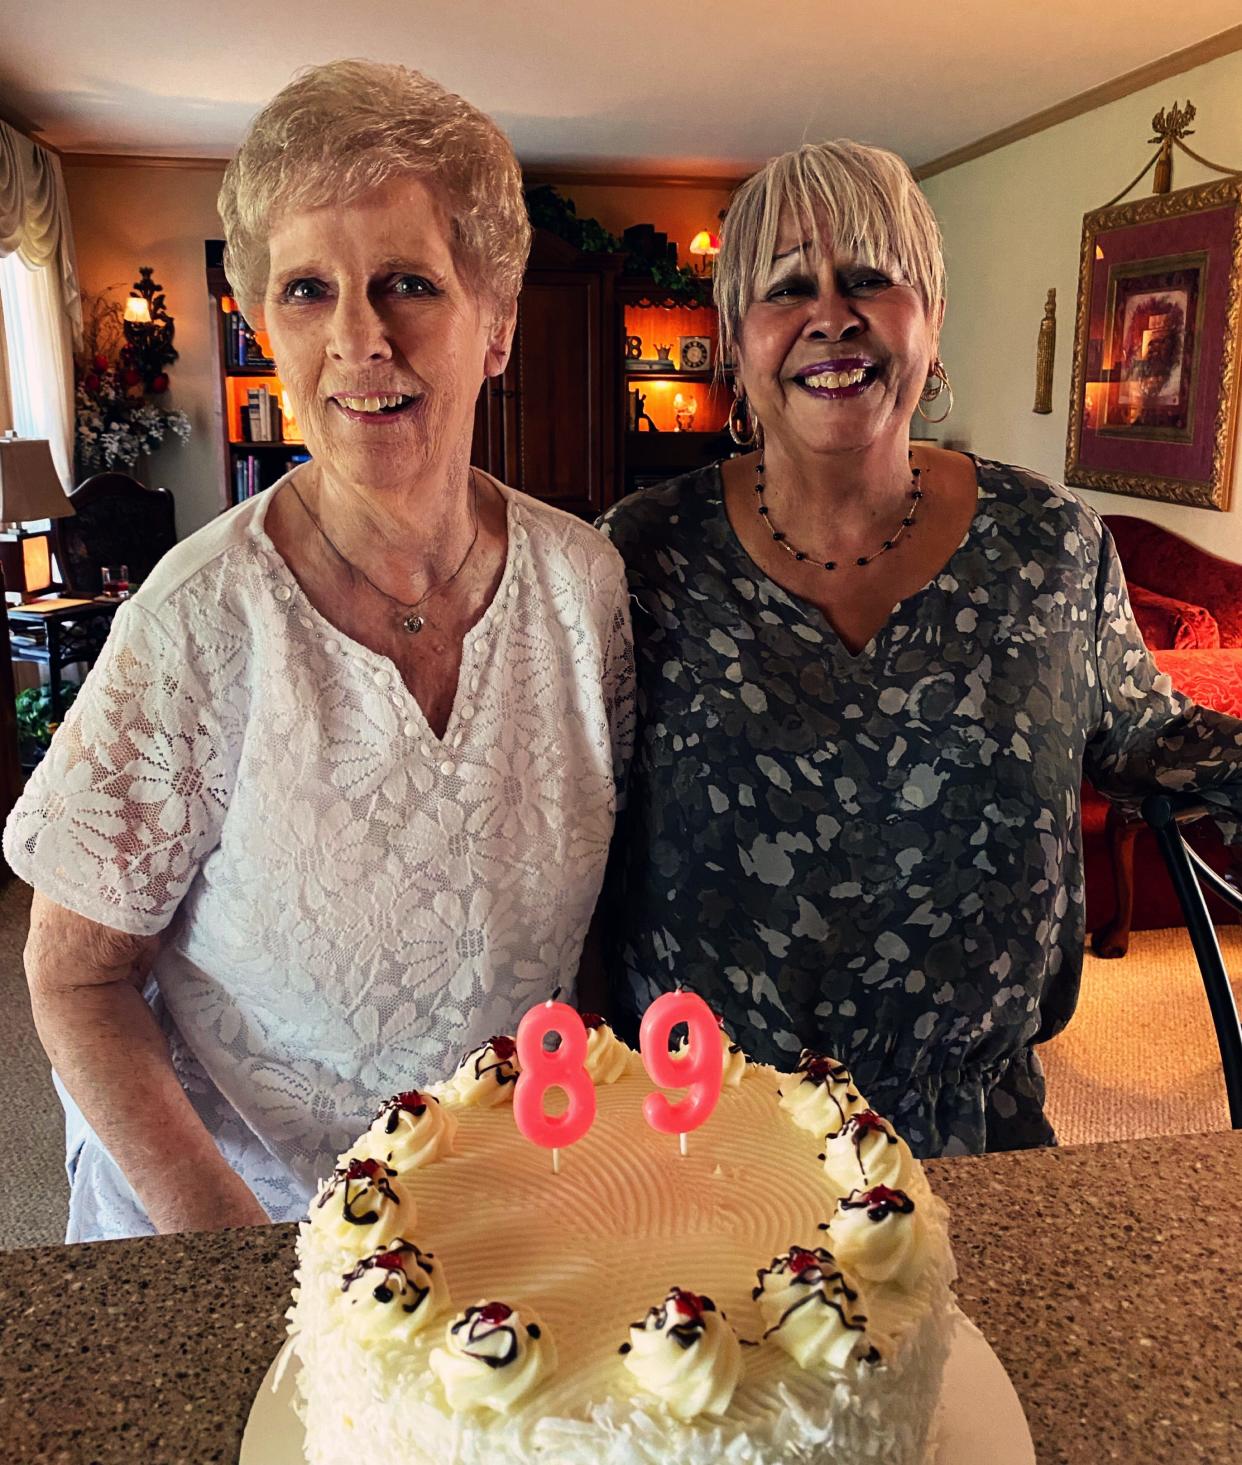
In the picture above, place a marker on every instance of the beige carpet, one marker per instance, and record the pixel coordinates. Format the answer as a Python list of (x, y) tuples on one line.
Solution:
[(1139, 1058)]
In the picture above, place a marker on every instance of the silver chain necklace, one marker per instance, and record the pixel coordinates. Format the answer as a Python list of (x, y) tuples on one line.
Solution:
[(410, 620)]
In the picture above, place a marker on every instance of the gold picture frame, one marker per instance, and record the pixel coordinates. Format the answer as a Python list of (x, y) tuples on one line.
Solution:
[(1155, 386)]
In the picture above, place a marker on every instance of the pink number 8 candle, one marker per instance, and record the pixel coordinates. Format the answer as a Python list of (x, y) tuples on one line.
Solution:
[(541, 1071), (700, 1070)]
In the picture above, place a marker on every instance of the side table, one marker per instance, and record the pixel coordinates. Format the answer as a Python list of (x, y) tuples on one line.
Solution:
[(59, 633)]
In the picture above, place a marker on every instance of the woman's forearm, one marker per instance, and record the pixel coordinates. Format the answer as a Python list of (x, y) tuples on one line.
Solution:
[(109, 1052)]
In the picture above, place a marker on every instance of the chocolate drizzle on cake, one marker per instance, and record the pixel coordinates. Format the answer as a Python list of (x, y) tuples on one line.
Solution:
[(859, 1126), (831, 1076), (362, 1180), (411, 1102), (495, 1057), (880, 1202), (825, 1286), (394, 1283), (488, 1320), (689, 1306)]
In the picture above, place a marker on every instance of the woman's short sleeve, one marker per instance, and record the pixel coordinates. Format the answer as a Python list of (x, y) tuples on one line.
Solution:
[(131, 796)]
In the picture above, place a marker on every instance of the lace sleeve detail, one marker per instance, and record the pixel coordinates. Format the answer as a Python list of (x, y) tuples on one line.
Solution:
[(619, 687), (130, 798)]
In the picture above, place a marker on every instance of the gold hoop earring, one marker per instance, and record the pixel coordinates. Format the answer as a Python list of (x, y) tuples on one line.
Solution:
[(937, 382), (742, 426)]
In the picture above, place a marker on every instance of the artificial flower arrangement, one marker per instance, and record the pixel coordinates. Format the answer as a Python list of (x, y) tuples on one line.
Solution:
[(116, 423)]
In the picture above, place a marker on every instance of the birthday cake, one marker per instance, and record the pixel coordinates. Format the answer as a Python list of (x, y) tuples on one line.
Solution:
[(779, 1292)]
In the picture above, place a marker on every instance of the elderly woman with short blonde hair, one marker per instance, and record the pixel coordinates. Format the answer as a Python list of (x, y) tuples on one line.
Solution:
[(871, 676), (335, 803)]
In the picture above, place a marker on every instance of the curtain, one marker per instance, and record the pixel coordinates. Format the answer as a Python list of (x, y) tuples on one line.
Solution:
[(6, 406), (34, 216), (40, 354), (40, 302)]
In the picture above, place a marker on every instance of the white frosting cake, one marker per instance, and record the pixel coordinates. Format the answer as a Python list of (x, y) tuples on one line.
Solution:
[(779, 1293)]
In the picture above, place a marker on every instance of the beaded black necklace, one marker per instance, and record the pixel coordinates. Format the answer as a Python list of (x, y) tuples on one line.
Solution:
[(778, 535)]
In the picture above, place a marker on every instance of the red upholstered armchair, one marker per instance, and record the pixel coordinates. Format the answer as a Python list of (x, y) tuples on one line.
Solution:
[(1188, 605)]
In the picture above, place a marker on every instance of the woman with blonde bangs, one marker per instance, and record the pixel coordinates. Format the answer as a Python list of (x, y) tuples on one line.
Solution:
[(871, 676), (293, 848)]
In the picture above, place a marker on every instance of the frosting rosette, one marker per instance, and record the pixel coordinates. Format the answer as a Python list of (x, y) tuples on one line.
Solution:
[(880, 1236), (867, 1151), (491, 1358), (391, 1295), (486, 1076), (363, 1208), (686, 1354), (811, 1309), (607, 1057), (410, 1129), (820, 1094), (732, 1058)]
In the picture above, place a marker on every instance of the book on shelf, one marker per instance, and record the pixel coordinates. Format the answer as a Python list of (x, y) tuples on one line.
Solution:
[(252, 474), (261, 418), (242, 347)]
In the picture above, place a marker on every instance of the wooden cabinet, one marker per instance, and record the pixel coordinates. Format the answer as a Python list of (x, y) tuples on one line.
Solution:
[(551, 425)]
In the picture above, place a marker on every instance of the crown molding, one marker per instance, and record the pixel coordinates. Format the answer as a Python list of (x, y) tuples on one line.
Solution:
[(1210, 49), (624, 178), (27, 129), (141, 160)]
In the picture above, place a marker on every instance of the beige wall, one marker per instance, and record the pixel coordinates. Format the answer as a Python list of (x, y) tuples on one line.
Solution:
[(1012, 223), (125, 217)]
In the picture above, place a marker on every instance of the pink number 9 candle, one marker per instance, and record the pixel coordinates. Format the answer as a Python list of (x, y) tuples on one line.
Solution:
[(700, 1070), (541, 1071)]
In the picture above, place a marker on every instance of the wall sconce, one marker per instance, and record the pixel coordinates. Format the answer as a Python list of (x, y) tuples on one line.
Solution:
[(137, 310), (705, 246), (149, 332)]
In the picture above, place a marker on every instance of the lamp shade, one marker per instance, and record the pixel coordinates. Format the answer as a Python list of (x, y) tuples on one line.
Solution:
[(137, 311), (705, 242), (30, 487)]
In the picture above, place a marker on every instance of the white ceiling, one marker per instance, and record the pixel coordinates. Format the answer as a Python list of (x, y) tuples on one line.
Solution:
[(697, 86)]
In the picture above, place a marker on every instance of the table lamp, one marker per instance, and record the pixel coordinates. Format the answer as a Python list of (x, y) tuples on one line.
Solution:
[(30, 489)]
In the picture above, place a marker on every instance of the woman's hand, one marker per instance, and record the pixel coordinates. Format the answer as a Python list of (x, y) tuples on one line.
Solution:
[(86, 984)]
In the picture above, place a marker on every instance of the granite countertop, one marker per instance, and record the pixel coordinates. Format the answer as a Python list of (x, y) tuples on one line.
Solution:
[(1105, 1277)]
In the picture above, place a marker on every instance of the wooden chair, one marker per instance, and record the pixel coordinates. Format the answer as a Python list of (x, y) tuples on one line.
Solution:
[(1190, 874), (116, 521)]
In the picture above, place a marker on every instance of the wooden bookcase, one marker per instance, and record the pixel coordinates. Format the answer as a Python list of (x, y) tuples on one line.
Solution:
[(260, 463), (556, 424), (655, 449)]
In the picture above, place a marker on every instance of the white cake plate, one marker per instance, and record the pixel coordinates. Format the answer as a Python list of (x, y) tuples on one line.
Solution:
[(980, 1421)]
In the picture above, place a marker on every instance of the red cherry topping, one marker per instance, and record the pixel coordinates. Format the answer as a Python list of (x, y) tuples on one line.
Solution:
[(592, 1020), (689, 1304), (411, 1099), (390, 1261), (364, 1170), (801, 1261), (881, 1195), (503, 1047), (495, 1313), (868, 1122)]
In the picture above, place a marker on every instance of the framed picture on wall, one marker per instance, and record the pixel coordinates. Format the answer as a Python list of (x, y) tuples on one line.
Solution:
[(1154, 394)]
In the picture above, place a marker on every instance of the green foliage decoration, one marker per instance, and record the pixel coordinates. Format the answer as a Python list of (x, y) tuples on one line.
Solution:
[(34, 712), (549, 209)]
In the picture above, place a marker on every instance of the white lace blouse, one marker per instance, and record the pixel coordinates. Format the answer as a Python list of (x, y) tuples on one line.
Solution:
[(350, 901)]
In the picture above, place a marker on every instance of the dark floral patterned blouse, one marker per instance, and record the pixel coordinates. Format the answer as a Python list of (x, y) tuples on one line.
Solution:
[(880, 855)]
